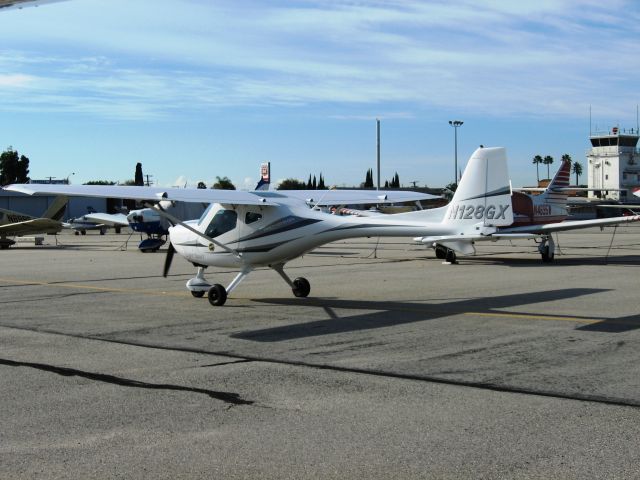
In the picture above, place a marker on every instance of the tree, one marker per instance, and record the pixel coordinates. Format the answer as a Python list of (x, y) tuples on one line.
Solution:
[(537, 160), (223, 183), (14, 168), (577, 169), (394, 183), (139, 178), (291, 184), (548, 160), (202, 185), (100, 182), (452, 186), (368, 182), (567, 157), (314, 185), (321, 183), (309, 184)]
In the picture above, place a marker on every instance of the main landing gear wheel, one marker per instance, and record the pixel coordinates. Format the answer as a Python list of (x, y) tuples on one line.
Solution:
[(547, 255), (217, 295), (450, 256), (301, 287), (441, 252), (198, 293)]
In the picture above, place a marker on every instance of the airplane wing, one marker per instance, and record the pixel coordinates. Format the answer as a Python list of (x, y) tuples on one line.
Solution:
[(355, 197), (569, 225), (147, 193), (119, 219), (37, 225), (23, 3), (315, 197)]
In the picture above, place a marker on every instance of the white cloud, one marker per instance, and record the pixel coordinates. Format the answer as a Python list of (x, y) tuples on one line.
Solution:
[(493, 57), (15, 80)]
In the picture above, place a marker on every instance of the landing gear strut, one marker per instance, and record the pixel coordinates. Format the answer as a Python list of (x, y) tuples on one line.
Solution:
[(300, 286), (217, 294)]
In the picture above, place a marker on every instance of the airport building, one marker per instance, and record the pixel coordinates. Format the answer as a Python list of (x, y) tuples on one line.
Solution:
[(37, 204), (614, 163)]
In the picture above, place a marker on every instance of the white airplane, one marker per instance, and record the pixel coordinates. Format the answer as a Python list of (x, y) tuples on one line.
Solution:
[(246, 230), (535, 217), (18, 224)]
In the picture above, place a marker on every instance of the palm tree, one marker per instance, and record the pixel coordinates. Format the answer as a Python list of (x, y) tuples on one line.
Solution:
[(537, 160), (548, 160), (567, 157), (224, 183), (577, 169)]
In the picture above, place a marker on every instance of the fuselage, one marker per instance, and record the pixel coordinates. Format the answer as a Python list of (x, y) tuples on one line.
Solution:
[(274, 235)]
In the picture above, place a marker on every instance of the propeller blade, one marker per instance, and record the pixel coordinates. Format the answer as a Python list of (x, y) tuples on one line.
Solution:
[(168, 259)]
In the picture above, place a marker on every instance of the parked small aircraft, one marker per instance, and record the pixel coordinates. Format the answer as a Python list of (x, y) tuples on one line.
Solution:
[(18, 224), (246, 230), (534, 216), (81, 224)]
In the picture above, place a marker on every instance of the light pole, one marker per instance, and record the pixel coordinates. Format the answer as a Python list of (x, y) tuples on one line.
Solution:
[(455, 124), (72, 173)]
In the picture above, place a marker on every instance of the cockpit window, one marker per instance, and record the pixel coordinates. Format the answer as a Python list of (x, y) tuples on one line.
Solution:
[(252, 217), (222, 222)]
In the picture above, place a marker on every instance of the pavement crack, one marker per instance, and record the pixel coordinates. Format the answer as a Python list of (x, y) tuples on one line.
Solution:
[(221, 364), (227, 397)]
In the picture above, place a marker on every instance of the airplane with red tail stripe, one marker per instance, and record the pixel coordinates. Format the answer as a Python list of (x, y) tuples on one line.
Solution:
[(534, 216)]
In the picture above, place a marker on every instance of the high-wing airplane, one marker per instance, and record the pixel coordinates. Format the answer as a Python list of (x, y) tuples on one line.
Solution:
[(15, 224), (247, 230), (534, 216)]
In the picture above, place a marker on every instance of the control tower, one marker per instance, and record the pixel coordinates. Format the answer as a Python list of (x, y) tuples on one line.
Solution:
[(614, 162)]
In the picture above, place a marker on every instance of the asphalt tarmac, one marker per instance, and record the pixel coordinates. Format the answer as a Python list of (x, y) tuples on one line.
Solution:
[(396, 366)]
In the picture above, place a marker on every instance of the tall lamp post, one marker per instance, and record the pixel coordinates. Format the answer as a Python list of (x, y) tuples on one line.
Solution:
[(455, 124)]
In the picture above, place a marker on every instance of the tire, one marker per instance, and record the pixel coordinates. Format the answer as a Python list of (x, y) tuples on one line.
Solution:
[(217, 295), (301, 287), (441, 252), (450, 256)]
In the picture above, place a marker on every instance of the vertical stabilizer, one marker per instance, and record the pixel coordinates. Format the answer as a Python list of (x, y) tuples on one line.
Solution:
[(560, 181), (483, 194), (56, 209), (265, 176)]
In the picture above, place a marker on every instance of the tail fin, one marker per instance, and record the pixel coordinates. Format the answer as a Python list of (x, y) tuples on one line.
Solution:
[(265, 176), (484, 194), (56, 209), (554, 193)]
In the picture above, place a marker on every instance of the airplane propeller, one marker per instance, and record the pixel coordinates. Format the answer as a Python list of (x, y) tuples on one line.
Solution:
[(168, 259)]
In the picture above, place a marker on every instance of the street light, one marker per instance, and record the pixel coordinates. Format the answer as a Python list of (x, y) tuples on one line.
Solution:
[(72, 173), (455, 124)]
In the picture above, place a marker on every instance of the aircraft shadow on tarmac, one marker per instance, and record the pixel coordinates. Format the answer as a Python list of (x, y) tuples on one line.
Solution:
[(387, 314)]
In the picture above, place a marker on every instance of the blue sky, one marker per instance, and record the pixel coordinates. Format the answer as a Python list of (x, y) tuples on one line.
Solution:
[(195, 89)]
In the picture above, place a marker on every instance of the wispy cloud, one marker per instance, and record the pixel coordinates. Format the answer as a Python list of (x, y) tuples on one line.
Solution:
[(494, 57)]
